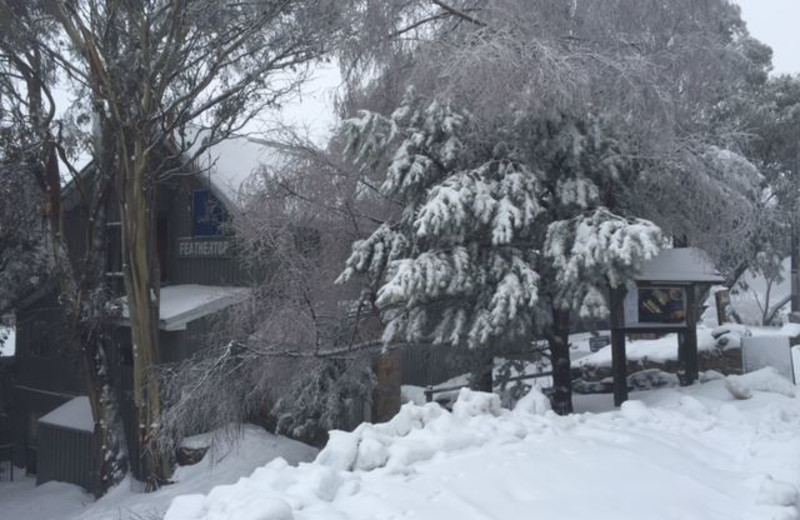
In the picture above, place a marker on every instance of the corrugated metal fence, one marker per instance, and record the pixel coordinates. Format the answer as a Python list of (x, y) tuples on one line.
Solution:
[(66, 455), (424, 364)]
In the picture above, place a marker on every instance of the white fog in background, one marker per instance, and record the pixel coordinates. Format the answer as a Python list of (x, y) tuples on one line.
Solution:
[(774, 22)]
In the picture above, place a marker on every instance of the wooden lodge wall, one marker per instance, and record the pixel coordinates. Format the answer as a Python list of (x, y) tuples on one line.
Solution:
[(47, 376)]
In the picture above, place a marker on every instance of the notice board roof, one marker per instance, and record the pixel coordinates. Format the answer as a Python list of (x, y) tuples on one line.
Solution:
[(681, 265)]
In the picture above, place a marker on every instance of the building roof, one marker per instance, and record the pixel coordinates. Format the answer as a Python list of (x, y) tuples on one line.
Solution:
[(681, 265), (183, 304), (229, 164), (75, 414), (226, 166)]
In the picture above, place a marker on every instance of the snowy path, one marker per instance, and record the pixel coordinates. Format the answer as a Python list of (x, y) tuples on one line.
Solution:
[(693, 454)]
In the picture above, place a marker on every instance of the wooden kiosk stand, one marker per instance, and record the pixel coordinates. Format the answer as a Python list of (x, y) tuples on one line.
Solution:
[(664, 300)]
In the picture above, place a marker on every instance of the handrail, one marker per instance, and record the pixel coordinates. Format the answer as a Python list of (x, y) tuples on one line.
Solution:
[(430, 390)]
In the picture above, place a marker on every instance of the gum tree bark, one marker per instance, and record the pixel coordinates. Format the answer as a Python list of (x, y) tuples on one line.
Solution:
[(78, 267)]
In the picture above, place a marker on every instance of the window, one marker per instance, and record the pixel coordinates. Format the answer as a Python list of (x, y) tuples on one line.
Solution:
[(208, 214), (114, 275), (162, 245)]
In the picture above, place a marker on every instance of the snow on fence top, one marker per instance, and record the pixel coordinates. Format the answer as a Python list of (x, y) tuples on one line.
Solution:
[(688, 264), (182, 304), (7, 341), (75, 414)]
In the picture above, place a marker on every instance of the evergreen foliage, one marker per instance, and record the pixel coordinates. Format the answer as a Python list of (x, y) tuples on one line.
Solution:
[(492, 237), (324, 399)]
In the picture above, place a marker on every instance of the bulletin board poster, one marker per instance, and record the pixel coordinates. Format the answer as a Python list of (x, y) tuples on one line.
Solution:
[(662, 305)]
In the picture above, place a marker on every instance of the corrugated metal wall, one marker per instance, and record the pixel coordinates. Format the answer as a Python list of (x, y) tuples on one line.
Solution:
[(66, 455), (206, 271), (27, 405), (424, 365)]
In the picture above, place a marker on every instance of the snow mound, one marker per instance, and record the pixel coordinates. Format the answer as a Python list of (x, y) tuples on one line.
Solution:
[(777, 493), (418, 433), (534, 402), (481, 461), (765, 380), (472, 404)]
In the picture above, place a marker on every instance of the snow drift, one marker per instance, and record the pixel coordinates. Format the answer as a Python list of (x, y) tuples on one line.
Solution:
[(688, 453)]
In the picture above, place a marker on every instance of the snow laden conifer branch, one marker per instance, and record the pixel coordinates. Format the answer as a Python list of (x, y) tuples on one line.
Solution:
[(457, 266), (502, 230), (597, 249)]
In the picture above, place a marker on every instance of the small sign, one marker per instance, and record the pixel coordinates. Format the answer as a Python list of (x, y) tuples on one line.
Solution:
[(204, 248), (598, 342), (723, 300)]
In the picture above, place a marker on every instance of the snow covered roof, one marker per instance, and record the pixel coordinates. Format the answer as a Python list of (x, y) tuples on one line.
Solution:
[(182, 304), (688, 264), (75, 414), (230, 163)]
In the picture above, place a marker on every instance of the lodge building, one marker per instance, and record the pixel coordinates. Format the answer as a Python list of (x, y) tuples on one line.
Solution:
[(50, 417)]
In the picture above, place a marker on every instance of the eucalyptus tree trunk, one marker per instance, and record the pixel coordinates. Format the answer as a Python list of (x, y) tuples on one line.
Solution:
[(78, 278), (137, 205)]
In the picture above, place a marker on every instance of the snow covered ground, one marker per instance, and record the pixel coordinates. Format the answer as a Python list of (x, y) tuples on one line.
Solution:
[(690, 453), (725, 449), (21, 499), (657, 350)]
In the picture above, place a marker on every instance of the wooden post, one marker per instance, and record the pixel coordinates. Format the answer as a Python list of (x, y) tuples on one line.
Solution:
[(386, 394), (619, 360), (682, 359), (690, 336), (723, 300)]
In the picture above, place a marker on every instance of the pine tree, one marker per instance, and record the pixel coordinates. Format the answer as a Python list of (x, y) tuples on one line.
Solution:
[(496, 242)]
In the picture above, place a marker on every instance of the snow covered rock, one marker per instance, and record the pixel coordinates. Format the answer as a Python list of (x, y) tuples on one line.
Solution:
[(534, 402), (473, 404), (765, 380)]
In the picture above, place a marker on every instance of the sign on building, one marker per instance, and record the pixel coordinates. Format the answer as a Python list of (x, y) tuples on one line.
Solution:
[(204, 248)]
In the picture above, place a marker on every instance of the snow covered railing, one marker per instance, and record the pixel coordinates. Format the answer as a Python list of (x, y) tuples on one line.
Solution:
[(430, 390)]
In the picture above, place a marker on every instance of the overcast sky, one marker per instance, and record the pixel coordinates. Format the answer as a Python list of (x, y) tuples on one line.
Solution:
[(775, 22)]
